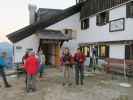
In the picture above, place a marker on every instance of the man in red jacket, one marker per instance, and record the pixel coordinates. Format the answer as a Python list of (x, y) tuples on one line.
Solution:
[(79, 59), (31, 67)]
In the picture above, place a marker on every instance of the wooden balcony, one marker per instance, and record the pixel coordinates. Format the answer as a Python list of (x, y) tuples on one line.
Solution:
[(91, 7)]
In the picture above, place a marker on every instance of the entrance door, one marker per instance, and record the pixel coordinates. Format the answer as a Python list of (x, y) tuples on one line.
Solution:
[(52, 53), (48, 52)]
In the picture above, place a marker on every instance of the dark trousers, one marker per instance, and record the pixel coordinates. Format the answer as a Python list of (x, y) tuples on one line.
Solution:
[(30, 83), (79, 73), (41, 71), (2, 72)]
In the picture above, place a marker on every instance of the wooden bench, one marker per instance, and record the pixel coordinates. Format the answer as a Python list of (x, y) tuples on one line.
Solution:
[(116, 66)]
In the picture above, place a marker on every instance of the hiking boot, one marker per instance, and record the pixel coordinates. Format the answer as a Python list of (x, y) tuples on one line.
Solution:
[(70, 84), (77, 83), (8, 86), (82, 83), (34, 90), (63, 84)]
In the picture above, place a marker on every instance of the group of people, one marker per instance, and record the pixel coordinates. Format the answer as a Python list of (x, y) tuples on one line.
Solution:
[(33, 63), (68, 61)]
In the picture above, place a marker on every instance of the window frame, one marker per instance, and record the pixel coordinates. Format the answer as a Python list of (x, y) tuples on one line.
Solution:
[(114, 21), (85, 23), (129, 52), (106, 51), (102, 21), (128, 10), (82, 48)]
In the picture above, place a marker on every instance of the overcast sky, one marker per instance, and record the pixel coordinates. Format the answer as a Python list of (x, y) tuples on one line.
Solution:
[(14, 13)]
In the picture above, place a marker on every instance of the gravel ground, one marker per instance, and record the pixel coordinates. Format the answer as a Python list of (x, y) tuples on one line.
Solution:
[(98, 86)]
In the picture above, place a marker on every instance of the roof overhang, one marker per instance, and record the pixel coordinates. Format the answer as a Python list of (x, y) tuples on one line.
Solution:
[(33, 28), (52, 35)]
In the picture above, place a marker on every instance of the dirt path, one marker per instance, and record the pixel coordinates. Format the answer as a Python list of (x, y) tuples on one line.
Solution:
[(97, 87)]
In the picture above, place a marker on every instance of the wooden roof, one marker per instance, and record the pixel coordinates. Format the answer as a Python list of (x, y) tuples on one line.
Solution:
[(52, 35), (91, 7), (33, 28)]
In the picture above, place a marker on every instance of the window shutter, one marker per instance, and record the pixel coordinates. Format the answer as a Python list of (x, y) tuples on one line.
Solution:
[(128, 10), (82, 24), (98, 20), (85, 23), (107, 17), (131, 10), (127, 52), (107, 51), (100, 51)]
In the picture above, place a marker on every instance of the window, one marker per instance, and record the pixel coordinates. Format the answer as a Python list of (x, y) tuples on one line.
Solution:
[(85, 23), (82, 49), (86, 50), (103, 51), (129, 51), (129, 10), (102, 18)]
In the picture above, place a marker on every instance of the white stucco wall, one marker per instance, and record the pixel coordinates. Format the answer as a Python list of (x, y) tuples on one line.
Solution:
[(117, 51), (72, 22), (29, 42), (101, 33), (96, 33)]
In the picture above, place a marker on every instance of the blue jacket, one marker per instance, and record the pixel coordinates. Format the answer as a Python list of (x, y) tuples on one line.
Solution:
[(2, 62)]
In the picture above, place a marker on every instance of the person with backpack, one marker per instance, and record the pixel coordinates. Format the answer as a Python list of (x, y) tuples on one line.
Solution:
[(25, 57), (2, 71), (66, 61), (31, 67), (79, 59)]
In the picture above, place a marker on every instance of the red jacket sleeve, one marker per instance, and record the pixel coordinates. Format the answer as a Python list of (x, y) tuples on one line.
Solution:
[(26, 64)]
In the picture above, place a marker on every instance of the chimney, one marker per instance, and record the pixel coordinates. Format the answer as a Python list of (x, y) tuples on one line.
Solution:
[(32, 13)]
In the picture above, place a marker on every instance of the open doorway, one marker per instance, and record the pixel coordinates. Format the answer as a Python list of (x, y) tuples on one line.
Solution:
[(48, 50)]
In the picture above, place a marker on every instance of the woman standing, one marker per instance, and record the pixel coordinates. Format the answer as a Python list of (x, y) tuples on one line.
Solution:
[(66, 58), (42, 63), (25, 57), (31, 67)]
